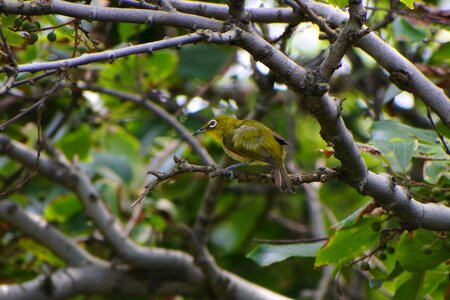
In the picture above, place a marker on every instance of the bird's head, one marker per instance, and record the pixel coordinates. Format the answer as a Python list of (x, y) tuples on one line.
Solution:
[(218, 126)]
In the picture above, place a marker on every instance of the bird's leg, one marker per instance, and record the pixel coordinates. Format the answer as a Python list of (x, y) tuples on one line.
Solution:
[(237, 165), (232, 167)]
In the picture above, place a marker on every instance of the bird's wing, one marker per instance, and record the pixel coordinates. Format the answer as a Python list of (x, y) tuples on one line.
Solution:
[(247, 141), (279, 139)]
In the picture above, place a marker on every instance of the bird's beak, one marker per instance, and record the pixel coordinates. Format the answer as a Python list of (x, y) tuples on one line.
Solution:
[(200, 131)]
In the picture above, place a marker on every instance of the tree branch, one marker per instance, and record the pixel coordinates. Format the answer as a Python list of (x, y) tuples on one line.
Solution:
[(403, 73), (327, 111), (348, 36), (101, 279), (111, 55), (36, 105), (76, 181), (11, 69), (183, 166), (220, 11), (45, 234), (237, 10), (179, 263), (315, 19), (109, 14)]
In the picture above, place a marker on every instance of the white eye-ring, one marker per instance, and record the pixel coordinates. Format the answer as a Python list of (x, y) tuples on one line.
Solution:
[(212, 123)]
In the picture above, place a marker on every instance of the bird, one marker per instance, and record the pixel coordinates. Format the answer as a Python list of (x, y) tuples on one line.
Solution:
[(251, 142)]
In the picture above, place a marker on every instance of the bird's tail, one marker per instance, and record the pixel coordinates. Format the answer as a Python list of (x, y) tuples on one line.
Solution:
[(282, 180)]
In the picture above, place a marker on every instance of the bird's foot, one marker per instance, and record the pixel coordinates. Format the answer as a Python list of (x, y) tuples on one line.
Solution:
[(232, 167), (236, 166)]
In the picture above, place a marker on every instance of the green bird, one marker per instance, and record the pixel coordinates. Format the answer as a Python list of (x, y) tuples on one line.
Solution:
[(251, 142)]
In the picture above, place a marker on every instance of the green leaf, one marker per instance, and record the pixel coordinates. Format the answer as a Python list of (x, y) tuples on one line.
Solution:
[(8, 20), (67, 31), (406, 32), (202, 61), (119, 164), (76, 143), (411, 289), (161, 65), (13, 38), (63, 208), (441, 55), (338, 3), (351, 220), (109, 192), (388, 129), (435, 170), (265, 255), (410, 254), (398, 152), (118, 141), (398, 270), (41, 252), (154, 68), (408, 3), (142, 234), (157, 222), (361, 237), (127, 30), (433, 278)]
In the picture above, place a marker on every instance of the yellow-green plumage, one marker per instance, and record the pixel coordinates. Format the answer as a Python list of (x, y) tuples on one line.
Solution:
[(251, 142)]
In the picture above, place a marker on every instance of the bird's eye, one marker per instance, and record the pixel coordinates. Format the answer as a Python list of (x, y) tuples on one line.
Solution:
[(212, 123)]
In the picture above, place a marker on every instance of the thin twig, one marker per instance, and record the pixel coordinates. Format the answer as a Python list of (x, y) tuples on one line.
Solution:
[(156, 162), (318, 21), (36, 105), (440, 135), (183, 166), (9, 53), (164, 4), (49, 27), (422, 17), (31, 173), (33, 79), (287, 33), (11, 69), (388, 18)]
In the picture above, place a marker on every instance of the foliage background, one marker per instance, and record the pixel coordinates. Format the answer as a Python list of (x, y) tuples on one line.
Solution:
[(116, 138)]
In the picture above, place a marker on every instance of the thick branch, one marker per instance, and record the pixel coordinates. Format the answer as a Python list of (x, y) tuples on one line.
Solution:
[(44, 233), (384, 54), (403, 73), (100, 279), (348, 36), (70, 177), (237, 10), (181, 265), (327, 110), (109, 14), (220, 11), (397, 199)]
